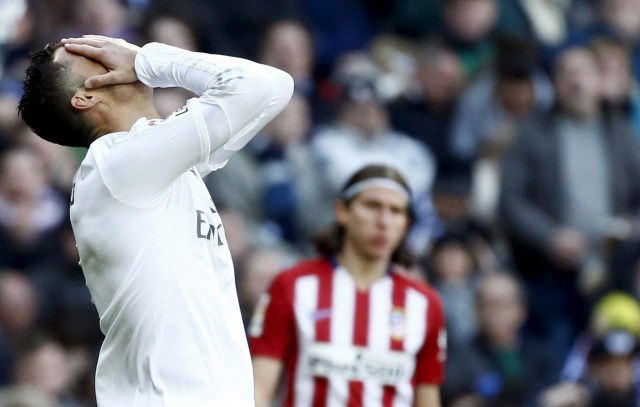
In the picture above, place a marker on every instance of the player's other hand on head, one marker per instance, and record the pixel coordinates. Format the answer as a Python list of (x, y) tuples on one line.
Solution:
[(117, 55)]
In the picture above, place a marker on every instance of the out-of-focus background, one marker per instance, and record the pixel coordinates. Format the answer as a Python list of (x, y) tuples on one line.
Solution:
[(516, 123)]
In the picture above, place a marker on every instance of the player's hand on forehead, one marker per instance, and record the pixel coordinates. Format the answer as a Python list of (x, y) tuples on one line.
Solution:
[(116, 55)]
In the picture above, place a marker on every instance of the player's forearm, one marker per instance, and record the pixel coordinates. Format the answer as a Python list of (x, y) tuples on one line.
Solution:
[(161, 65), (427, 396), (248, 114), (249, 94), (267, 372)]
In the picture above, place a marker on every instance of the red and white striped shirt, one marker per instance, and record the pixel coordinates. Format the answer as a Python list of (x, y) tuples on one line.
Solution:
[(347, 347)]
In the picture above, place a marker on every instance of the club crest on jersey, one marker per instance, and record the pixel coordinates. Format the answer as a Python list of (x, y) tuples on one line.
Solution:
[(397, 323)]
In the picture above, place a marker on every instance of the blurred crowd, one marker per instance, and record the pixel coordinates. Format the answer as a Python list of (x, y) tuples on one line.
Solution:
[(515, 122)]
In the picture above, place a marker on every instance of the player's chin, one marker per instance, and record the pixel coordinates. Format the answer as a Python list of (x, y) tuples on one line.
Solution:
[(380, 249)]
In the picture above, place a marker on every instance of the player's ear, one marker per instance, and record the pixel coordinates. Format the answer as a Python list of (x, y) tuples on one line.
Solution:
[(83, 100), (340, 210)]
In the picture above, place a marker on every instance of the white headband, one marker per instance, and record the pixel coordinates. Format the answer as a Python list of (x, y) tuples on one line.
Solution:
[(387, 183)]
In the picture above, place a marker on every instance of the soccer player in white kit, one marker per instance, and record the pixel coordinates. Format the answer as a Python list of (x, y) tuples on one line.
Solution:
[(151, 243), (347, 329)]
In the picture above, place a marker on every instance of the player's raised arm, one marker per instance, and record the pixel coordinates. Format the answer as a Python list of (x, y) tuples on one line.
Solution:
[(238, 96)]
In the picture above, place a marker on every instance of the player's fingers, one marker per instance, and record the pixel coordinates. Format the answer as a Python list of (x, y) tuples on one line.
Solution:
[(107, 79), (103, 39), (101, 80), (86, 50), (97, 37), (94, 42)]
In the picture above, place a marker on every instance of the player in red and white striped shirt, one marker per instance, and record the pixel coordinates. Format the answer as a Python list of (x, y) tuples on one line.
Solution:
[(348, 329)]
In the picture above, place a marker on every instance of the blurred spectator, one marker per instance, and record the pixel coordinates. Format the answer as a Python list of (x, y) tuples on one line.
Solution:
[(337, 28), (65, 305), (611, 370), (361, 134), (425, 112), (60, 163), (258, 269), (468, 28), (170, 28), (24, 396), (452, 271), (395, 59), (286, 174), (616, 19), (571, 175), (10, 122), (226, 27), (417, 19), (619, 87), (12, 12), (489, 113), (501, 365), (615, 310), (491, 107), (241, 235), (19, 307), (287, 45), (270, 181), (451, 196), (42, 20), (30, 208), (101, 17), (41, 362)]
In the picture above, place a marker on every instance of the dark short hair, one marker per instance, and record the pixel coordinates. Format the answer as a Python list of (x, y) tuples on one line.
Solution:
[(329, 242), (517, 57), (46, 101)]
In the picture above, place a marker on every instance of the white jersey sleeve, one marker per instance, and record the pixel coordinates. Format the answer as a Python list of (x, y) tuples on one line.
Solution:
[(237, 98)]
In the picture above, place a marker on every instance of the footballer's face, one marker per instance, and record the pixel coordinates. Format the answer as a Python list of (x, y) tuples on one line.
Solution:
[(375, 222), (78, 64)]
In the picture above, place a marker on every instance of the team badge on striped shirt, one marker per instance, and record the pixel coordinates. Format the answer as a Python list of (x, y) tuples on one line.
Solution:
[(397, 324)]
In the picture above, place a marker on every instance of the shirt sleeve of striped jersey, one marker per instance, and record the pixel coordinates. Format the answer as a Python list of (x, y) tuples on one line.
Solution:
[(237, 98), (430, 363), (272, 329)]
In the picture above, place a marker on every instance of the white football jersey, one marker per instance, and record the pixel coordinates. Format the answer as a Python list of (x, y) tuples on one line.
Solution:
[(151, 243)]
